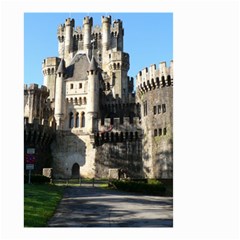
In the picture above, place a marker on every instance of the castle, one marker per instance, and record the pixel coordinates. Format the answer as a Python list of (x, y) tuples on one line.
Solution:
[(87, 120)]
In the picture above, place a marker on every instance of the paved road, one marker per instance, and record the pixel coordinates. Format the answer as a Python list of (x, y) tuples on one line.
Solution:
[(88, 206)]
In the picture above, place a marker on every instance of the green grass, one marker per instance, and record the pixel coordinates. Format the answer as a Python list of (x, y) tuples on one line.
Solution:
[(40, 201)]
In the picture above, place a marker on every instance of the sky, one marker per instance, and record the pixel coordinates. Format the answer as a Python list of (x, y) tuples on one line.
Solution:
[(148, 38)]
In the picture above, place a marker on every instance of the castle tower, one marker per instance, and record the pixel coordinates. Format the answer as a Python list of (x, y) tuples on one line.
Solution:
[(68, 46), (117, 35), (87, 29), (49, 68), (93, 97), (59, 95), (106, 23)]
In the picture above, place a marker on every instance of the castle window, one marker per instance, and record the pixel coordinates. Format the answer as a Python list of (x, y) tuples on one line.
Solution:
[(155, 132), (25, 120), (121, 119), (100, 57), (154, 110), (108, 86), (80, 101), (84, 100), (109, 56), (126, 135), (112, 121), (145, 108), (81, 38), (136, 135), (71, 120), (159, 131), (169, 80), (121, 136), (83, 120), (77, 120), (117, 137), (71, 86), (164, 131), (159, 109), (100, 36), (164, 107), (114, 66), (118, 66), (163, 81), (157, 81), (80, 85), (112, 137)]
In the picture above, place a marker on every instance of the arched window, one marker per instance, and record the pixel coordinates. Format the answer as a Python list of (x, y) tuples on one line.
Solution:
[(77, 120), (52, 70), (114, 66), (81, 38), (84, 100), (83, 119), (118, 66), (71, 120), (80, 101)]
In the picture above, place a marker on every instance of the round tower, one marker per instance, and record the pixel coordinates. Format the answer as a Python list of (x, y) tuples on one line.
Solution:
[(87, 29), (106, 24), (59, 96), (117, 35), (49, 68), (68, 40), (93, 96), (60, 34)]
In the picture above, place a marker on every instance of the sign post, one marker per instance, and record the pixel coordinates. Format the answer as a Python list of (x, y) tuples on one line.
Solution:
[(29, 167), (30, 159)]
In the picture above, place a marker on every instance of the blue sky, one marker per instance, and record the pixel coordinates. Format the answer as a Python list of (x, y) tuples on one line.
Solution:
[(148, 38)]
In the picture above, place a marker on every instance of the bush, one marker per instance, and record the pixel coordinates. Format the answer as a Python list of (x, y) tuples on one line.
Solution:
[(37, 178), (153, 188)]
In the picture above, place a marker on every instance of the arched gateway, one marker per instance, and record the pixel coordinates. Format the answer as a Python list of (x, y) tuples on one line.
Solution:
[(75, 170)]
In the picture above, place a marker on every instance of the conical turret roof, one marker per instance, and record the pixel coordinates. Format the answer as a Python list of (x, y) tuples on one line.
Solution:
[(61, 67), (93, 65)]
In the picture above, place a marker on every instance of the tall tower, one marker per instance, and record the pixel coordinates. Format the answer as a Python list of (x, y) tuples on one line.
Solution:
[(49, 68), (93, 97), (87, 29), (59, 95)]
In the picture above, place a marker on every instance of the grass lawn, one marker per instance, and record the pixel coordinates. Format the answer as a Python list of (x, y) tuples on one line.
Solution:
[(40, 201)]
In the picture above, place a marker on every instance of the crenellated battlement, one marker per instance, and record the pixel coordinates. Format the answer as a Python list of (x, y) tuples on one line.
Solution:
[(87, 20), (151, 78), (107, 19), (35, 87), (70, 22)]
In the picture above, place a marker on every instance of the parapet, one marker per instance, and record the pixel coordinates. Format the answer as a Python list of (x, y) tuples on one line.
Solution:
[(151, 78), (87, 20), (51, 61), (106, 19), (70, 22), (34, 86)]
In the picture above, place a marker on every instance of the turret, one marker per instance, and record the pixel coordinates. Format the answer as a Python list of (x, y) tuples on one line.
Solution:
[(106, 23), (59, 96), (68, 41), (49, 68), (93, 96), (117, 35), (87, 29)]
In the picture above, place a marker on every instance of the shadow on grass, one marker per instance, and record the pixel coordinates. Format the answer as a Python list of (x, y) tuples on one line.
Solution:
[(40, 201)]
